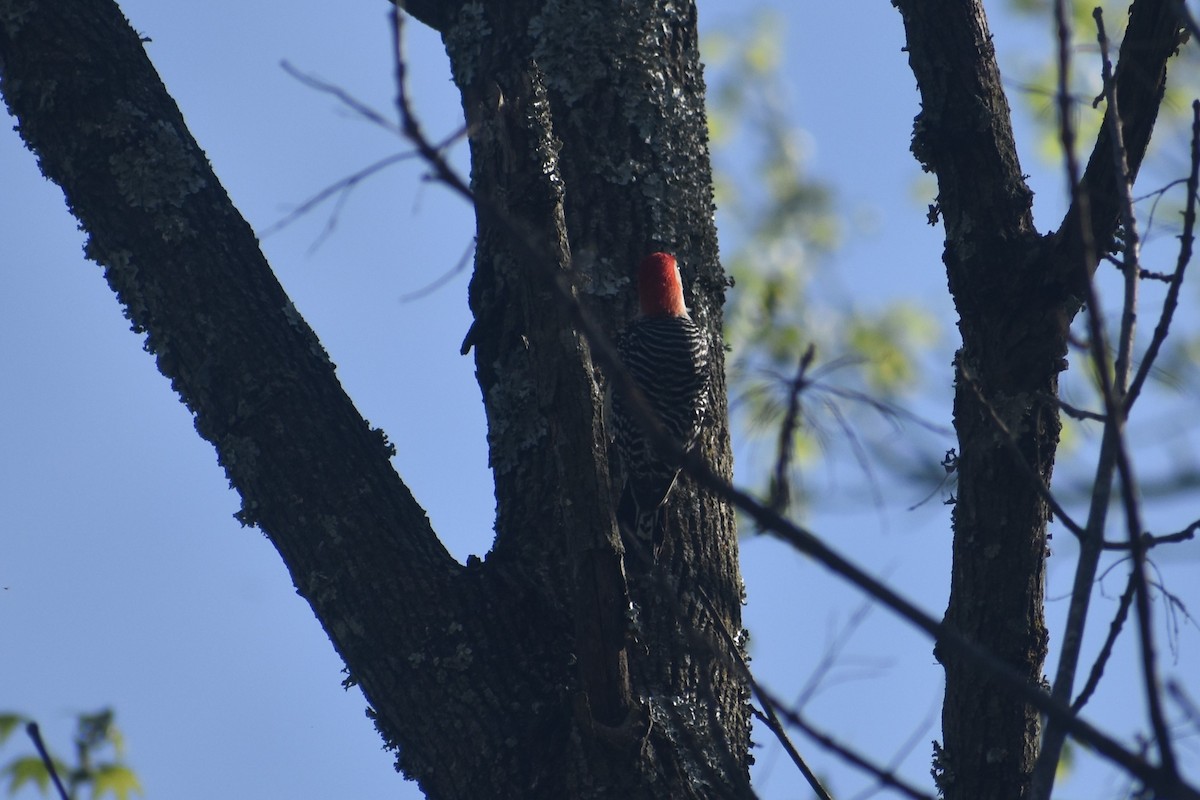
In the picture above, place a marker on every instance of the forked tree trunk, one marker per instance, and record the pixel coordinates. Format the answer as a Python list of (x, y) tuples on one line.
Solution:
[(1016, 293), (527, 675)]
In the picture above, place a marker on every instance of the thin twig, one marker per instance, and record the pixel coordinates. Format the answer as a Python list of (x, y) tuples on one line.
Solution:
[(780, 493), (1148, 540), (770, 717), (442, 280), (919, 734), (344, 97), (845, 753), (1130, 237), (1114, 630), (946, 636), (1080, 413), (1115, 405), (1186, 239), (1181, 698), (343, 186), (1113, 453), (832, 651), (1054, 735), (36, 734)]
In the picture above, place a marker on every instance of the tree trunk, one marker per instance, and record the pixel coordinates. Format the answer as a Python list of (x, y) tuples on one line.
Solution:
[(1016, 293), (527, 675)]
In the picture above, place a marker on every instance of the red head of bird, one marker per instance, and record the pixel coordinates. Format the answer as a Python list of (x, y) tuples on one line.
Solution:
[(660, 290)]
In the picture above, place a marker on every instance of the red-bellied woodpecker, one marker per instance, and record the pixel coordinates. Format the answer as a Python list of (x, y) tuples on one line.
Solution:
[(667, 357)]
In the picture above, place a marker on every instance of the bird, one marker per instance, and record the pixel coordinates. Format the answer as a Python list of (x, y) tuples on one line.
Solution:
[(666, 355)]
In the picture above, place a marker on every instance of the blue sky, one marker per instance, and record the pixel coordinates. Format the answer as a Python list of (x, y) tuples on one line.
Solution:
[(126, 581)]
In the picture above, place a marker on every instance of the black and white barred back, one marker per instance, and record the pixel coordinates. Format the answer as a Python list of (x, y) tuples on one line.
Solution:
[(668, 359)]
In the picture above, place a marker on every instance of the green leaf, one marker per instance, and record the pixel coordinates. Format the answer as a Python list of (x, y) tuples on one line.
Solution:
[(117, 779), (27, 769), (95, 729), (8, 723), (1066, 761)]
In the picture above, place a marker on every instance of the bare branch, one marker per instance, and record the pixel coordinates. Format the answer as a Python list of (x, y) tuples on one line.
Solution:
[(1151, 38), (1181, 698), (1116, 407), (1005, 676), (36, 735), (780, 494), (341, 187), (884, 776), (832, 651), (1115, 198), (1129, 237), (769, 716), (1054, 733), (919, 733), (773, 709), (442, 280), (1080, 413), (1148, 541), (1114, 630), (1171, 301)]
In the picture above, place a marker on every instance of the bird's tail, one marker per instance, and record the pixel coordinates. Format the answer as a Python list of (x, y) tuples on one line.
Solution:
[(640, 530), (648, 532)]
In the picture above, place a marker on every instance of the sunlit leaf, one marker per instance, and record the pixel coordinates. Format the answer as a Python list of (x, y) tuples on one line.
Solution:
[(26, 770), (117, 780), (8, 723), (1066, 761)]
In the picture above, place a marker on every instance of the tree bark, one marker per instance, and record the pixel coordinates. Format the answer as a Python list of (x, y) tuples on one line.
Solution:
[(1016, 293), (527, 675), (615, 150)]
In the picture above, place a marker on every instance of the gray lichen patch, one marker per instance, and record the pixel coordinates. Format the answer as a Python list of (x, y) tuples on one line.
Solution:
[(14, 15), (577, 63), (463, 39), (157, 173), (514, 424)]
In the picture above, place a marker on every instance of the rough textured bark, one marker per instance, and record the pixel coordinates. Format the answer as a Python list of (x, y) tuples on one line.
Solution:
[(1016, 293), (616, 149), (523, 676)]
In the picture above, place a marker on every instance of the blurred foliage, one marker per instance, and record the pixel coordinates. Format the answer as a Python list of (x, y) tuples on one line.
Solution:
[(98, 768), (781, 231)]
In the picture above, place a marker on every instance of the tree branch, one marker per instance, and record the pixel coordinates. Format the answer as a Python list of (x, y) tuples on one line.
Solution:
[(1186, 239), (964, 131), (1151, 38), (1114, 630), (437, 14), (312, 474)]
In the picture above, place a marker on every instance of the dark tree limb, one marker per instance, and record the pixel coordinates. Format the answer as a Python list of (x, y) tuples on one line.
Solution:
[(1014, 339), (470, 670), (616, 161), (1016, 294), (431, 643), (1101, 200), (964, 131), (1151, 38), (437, 14)]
